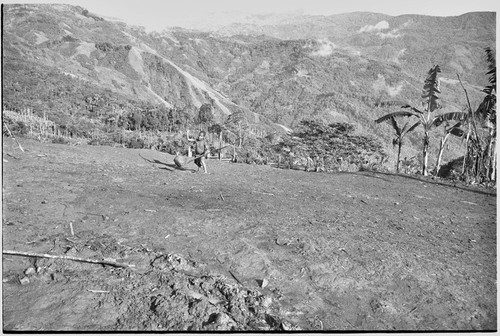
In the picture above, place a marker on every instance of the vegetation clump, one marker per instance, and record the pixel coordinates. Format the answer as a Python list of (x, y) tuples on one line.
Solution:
[(331, 147)]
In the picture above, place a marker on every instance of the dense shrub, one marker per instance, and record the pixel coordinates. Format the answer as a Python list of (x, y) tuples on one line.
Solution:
[(452, 170), (15, 126), (334, 146), (135, 143), (60, 140)]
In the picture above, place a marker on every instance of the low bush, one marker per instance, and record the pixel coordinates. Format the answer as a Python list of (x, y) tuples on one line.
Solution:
[(452, 170), (60, 140)]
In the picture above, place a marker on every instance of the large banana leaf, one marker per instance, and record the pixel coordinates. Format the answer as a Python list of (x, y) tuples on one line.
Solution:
[(395, 126), (431, 89), (413, 127), (388, 103), (457, 132), (412, 108), (487, 108), (460, 116), (397, 114), (492, 71)]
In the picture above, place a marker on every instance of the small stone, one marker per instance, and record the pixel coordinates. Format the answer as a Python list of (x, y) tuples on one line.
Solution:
[(57, 277), (222, 318), (286, 326), (259, 325), (24, 281), (29, 271), (267, 302), (224, 322), (263, 283), (44, 202), (45, 278), (282, 241)]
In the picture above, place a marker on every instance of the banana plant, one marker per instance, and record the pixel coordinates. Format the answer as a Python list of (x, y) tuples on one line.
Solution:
[(488, 111), (455, 130), (426, 118), (491, 107), (480, 162), (400, 134)]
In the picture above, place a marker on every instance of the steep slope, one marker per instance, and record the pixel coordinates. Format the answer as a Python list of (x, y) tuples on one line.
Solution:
[(335, 68), (106, 54)]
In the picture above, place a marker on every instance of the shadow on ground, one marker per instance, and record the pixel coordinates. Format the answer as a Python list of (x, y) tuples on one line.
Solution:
[(167, 166)]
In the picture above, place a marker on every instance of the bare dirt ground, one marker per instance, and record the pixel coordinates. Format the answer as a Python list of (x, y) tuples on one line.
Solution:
[(244, 247)]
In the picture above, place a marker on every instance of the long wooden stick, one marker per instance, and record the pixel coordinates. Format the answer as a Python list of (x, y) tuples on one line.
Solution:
[(191, 160), (199, 156), (15, 157), (92, 261)]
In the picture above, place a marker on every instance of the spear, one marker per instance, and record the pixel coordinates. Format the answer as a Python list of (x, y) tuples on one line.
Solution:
[(13, 137)]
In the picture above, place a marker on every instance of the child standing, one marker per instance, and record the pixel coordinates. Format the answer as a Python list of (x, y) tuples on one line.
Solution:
[(200, 149)]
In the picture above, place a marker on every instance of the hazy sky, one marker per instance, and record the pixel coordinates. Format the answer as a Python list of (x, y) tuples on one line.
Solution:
[(159, 14)]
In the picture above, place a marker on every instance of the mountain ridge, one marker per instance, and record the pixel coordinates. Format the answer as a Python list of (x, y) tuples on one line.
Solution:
[(336, 73)]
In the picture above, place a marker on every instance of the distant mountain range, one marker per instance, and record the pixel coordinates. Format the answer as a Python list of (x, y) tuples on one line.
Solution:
[(276, 70)]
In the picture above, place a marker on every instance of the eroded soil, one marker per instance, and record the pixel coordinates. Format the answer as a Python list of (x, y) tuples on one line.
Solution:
[(244, 247)]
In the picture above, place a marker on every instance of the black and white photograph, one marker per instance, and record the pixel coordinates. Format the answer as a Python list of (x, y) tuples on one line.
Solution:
[(217, 166)]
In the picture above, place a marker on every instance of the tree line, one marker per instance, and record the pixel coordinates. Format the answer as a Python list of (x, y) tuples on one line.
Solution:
[(476, 127)]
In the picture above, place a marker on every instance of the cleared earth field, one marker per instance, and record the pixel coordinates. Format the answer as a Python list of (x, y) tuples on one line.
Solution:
[(244, 247)]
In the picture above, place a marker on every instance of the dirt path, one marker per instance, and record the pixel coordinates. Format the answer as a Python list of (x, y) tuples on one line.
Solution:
[(245, 247)]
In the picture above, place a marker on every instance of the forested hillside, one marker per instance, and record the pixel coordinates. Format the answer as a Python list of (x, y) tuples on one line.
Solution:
[(86, 73)]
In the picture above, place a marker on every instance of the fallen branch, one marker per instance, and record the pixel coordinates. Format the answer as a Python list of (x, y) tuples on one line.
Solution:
[(92, 261), (235, 278)]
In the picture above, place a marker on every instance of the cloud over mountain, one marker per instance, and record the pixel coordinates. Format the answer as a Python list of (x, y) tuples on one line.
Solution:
[(326, 48), (382, 25), (392, 34), (380, 85)]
